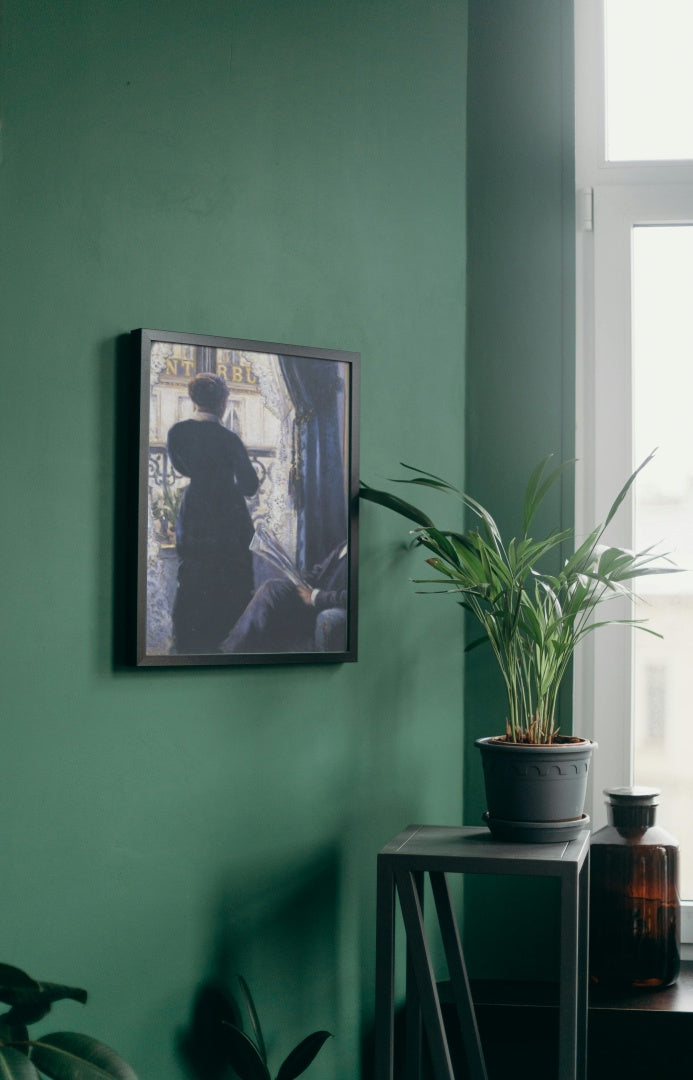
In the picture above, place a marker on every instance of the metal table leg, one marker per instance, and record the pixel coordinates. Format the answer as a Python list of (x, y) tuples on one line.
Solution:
[(385, 972), (414, 1032), (458, 977), (568, 985), (583, 967), (425, 977)]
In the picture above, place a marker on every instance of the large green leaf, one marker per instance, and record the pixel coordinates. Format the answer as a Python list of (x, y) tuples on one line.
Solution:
[(443, 544), (441, 567), (432, 476), (66, 1055), (13, 978), (529, 552), (405, 509), (14, 1034), (477, 641), (243, 1055), (492, 530), (430, 539), (537, 487), (582, 557), (481, 562), (31, 1000), (16, 1066), (424, 481), (626, 488), (253, 1017), (301, 1056), (466, 556)]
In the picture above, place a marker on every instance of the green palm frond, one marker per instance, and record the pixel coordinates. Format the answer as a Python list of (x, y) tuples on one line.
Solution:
[(532, 618)]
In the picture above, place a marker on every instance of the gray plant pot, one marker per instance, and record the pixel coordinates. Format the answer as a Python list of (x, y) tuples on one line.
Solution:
[(535, 794)]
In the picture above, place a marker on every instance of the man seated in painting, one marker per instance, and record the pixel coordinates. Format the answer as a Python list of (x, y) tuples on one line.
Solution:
[(283, 617)]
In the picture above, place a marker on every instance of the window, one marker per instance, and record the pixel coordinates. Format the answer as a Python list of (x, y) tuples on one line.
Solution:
[(634, 165), (650, 709), (648, 80)]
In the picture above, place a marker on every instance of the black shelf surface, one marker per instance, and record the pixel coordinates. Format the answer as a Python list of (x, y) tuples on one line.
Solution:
[(544, 995), (671, 999), (643, 1035)]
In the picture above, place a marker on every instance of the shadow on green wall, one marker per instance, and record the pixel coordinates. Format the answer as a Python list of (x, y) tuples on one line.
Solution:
[(278, 927)]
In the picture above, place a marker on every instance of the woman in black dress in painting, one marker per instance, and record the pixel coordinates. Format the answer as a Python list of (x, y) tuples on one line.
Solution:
[(214, 529)]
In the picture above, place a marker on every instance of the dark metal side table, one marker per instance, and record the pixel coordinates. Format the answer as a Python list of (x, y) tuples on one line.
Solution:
[(441, 850)]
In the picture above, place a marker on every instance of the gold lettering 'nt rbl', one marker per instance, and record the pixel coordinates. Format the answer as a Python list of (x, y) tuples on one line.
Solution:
[(234, 374), (177, 367)]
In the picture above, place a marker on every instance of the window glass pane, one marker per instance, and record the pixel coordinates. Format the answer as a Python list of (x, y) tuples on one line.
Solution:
[(663, 418), (649, 79)]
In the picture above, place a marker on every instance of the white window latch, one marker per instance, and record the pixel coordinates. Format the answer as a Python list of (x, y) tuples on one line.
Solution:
[(585, 209)]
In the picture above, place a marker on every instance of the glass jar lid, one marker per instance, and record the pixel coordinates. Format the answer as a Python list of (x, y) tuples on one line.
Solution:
[(632, 796)]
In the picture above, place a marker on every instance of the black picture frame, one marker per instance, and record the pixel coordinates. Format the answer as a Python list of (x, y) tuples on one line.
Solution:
[(291, 419)]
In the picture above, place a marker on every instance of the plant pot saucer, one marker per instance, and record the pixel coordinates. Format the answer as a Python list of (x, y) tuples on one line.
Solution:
[(535, 832)]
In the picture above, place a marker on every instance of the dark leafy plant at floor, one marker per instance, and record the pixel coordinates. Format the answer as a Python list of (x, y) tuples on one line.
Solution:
[(216, 1040), (248, 1056), (202, 1044), (62, 1055)]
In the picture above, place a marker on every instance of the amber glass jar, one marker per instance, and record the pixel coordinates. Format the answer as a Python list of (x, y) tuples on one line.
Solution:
[(635, 919)]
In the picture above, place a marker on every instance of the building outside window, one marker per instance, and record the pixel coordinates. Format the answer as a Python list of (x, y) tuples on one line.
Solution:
[(634, 167)]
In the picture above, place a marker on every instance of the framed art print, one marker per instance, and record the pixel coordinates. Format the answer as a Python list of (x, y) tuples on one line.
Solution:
[(248, 499)]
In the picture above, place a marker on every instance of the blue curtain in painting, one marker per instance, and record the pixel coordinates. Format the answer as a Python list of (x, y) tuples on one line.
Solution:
[(318, 480)]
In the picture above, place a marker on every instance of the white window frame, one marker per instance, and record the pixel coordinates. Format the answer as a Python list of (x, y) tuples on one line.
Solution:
[(611, 198)]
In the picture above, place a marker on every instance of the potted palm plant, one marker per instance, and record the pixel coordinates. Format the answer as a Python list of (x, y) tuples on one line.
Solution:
[(533, 618)]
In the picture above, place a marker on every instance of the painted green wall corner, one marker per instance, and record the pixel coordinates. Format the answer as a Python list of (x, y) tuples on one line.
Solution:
[(520, 364), (279, 171)]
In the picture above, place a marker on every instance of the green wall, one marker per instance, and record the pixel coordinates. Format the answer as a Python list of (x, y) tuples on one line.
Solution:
[(520, 365), (277, 171), (290, 172)]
